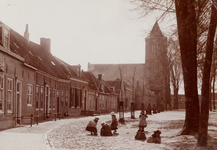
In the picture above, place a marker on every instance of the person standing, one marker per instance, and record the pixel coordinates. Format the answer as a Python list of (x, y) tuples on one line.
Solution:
[(142, 120), (114, 124), (140, 135)]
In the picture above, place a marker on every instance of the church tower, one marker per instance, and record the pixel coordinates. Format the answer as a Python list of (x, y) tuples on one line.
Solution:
[(157, 63)]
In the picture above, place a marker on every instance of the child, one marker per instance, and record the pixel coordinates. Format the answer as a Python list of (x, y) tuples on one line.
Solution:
[(91, 126), (105, 130), (114, 123), (155, 138), (142, 120)]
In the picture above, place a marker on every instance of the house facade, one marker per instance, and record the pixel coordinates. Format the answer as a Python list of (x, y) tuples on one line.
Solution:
[(34, 83), (102, 98)]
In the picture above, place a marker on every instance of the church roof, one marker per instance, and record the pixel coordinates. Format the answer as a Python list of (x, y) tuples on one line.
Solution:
[(156, 31)]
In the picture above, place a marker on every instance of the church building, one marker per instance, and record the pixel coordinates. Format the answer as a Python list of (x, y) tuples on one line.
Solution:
[(150, 80)]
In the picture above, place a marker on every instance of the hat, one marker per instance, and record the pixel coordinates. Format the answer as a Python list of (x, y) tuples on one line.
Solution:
[(112, 113), (158, 131), (103, 123), (96, 118)]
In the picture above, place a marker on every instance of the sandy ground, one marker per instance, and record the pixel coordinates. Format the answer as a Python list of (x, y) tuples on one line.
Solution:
[(72, 135)]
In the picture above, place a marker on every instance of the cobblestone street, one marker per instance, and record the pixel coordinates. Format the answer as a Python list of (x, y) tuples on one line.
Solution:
[(70, 133), (73, 135)]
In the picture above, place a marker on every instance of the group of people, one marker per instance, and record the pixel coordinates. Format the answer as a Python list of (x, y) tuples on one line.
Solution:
[(106, 129)]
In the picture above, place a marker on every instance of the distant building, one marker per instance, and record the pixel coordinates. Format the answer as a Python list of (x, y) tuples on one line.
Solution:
[(148, 81)]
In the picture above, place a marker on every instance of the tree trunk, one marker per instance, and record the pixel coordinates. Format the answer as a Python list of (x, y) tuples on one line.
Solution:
[(175, 98), (187, 32), (210, 91), (213, 86), (204, 115)]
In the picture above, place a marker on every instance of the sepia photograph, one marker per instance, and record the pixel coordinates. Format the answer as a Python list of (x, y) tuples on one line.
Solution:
[(108, 75)]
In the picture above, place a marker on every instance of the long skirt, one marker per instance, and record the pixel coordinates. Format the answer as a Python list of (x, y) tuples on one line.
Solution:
[(91, 129), (114, 126)]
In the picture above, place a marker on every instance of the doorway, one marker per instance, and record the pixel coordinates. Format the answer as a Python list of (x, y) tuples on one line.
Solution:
[(18, 101), (47, 101)]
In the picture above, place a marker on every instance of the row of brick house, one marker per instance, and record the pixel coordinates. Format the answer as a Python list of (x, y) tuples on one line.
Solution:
[(35, 83)]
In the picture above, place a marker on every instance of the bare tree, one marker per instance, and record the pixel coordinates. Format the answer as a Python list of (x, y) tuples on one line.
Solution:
[(175, 67), (191, 23)]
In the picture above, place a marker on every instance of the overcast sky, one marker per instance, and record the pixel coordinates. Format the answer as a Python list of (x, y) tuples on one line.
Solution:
[(82, 31)]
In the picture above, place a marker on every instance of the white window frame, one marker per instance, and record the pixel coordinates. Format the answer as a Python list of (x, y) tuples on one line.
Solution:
[(29, 94), (2, 93), (10, 89), (51, 99), (37, 92), (54, 99), (62, 99)]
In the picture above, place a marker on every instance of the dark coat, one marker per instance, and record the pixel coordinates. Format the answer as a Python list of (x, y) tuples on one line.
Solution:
[(91, 126), (114, 124), (105, 130)]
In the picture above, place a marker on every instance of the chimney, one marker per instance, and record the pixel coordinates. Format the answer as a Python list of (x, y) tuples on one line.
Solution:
[(99, 77), (26, 33), (45, 42)]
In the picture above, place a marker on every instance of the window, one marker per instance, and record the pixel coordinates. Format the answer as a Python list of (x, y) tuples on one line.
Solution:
[(42, 98), (66, 99), (5, 36), (62, 98), (10, 96), (37, 97), (53, 99), (29, 95), (1, 94)]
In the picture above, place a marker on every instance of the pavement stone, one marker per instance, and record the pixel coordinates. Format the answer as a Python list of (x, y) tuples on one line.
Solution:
[(28, 138)]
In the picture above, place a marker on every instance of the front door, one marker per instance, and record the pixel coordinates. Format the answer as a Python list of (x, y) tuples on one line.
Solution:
[(18, 101), (58, 102), (96, 104), (47, 101)]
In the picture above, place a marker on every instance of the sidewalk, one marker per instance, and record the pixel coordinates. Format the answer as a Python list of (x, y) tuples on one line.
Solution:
[(69, 133), (35, 137), (28, 138)]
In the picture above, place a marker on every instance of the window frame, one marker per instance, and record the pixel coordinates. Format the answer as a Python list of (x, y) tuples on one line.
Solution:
[(37, 94), (2, 93), (54, 98), (42, 98), (30, 95), (11, 95)]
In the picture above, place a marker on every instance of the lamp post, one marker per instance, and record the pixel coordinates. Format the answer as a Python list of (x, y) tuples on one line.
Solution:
[(121, 112), (132, 111), (149, 105)]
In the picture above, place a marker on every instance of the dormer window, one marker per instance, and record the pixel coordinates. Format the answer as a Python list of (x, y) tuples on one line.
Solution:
[(5, 36)]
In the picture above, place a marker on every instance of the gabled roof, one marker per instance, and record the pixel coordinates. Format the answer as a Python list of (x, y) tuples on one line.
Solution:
[(95, 84), (68, 70), (36, 56), (117, 84), (92, 84), (156, 31)]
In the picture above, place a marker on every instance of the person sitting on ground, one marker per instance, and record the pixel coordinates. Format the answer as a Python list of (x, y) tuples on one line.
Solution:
[(155, 138), (114, 124), (91, 126), (142, 120), (105, 130)]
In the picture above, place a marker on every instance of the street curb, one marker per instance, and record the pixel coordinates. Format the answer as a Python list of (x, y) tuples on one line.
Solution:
[(46, 141)]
